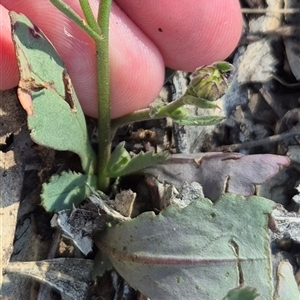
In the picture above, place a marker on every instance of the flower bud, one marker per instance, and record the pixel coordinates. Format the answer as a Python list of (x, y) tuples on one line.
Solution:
[(210, 82)]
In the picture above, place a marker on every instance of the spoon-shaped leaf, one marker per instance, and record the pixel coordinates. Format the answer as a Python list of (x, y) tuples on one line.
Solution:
[(198, 252), (55, 117)]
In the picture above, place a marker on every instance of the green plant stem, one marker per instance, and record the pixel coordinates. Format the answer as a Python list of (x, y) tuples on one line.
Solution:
[(139, 115), (166, 110), (145, 114), (69, 12), (87, 11), (99, 32), (103, 81)]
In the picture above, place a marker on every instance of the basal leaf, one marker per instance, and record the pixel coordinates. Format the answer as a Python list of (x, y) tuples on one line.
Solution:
[(55, 117), (121, 164), (198, 252), (65, 190)]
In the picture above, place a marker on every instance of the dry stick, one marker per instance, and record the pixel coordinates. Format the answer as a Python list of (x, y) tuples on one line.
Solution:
[(271, 101), (285, 83), (246, 145), (266, 10), (283, 31), (45, 289)]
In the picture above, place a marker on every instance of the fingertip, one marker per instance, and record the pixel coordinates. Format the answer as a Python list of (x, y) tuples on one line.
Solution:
[(222, 28), (188, 33), (9, 74), (136, 66)]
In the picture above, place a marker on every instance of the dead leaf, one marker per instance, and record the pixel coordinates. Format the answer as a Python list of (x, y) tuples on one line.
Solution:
[(219, 172), (70, 276)]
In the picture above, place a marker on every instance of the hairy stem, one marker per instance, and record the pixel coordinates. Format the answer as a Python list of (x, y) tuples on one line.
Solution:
[(98, 30), (139, 115), (69, 12), (87, 11), (103, 82), (145, 114)]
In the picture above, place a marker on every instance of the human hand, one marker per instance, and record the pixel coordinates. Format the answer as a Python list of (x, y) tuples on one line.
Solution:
[(144, 37)]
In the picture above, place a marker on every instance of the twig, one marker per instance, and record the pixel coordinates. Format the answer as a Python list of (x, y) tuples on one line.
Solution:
[(45, 289), (285, 83), (250, 144), (266, 10), (264, 91)]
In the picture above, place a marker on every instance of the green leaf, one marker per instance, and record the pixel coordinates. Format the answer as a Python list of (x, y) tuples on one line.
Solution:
[(242, 293), (200, 120), (121, 164), (65, 190), (118, 159), (179, 113), (224, 66), (198, 252), (199, 102), (55, 117)]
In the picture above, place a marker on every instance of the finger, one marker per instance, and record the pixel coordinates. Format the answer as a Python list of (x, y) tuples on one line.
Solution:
[(8, 65), (136, 65), (188, 33)]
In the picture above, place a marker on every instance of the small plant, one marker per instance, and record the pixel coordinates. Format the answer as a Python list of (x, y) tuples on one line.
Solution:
[(68, 131), (135, 249), (207, 85)]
